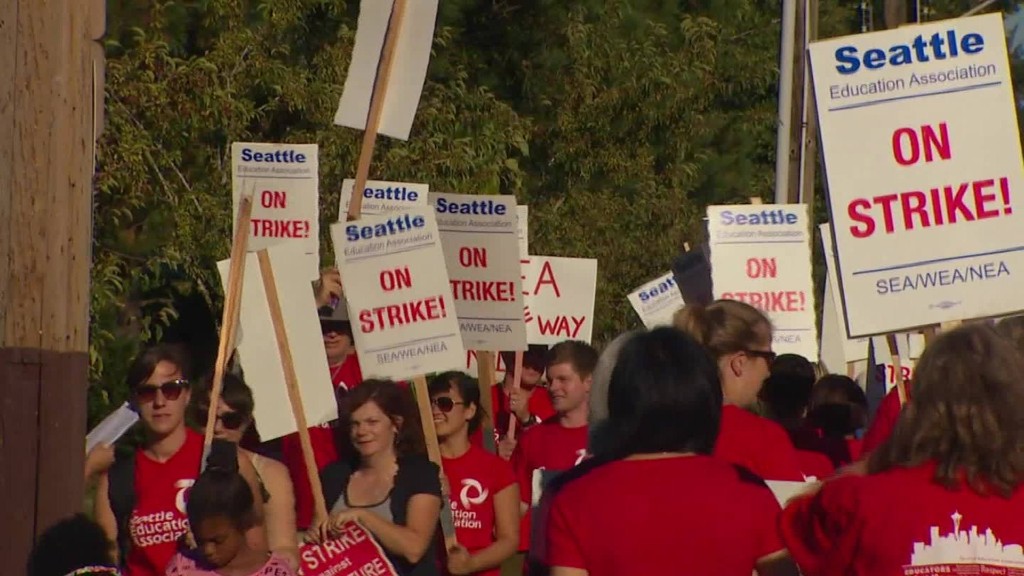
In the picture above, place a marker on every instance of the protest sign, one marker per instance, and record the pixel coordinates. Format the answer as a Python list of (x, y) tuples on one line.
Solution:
[(354, 552), (523, 229), (380, 197), (761, 255), (657, 301), (258, 347), (481, 251), (923, 162), (408, 67), (559, 295), (398, 295), (284, 179), (853, 349), (112, 427)]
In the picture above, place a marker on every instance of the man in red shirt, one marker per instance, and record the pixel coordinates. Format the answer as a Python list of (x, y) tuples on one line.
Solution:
[(530, 403), (560, 442)]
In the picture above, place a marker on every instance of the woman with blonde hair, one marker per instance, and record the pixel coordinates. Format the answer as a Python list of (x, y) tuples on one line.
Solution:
[(739, 339), (944, 492)]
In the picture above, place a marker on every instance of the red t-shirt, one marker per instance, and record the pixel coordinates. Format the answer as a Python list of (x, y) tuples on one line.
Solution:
[(758, 444), (474, 479), (348, 375), (687, 515), (885, 420), (159, 519), (815, 464), (548, 446), (901, 523)]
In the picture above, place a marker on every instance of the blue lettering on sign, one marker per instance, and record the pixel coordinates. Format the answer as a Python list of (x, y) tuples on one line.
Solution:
[(658, 290), (277, 156), (473, 208), (391, 193), (949, 277), (762, 218), (402, 223), (939, 46)]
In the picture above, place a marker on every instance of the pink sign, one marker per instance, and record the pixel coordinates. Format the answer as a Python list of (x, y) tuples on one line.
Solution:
[(353, 553)]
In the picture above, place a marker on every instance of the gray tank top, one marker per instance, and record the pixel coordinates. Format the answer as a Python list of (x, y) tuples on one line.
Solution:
[(382, 509)]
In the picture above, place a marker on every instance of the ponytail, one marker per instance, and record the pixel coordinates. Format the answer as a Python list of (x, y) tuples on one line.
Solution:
[(724, 326)]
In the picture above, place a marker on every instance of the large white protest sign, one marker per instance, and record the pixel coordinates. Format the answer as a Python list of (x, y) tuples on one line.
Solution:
[(523, 229), (258, 348), (657, 301), (923, 159), (853, 349), (399, 298), (559, 298), (761, 255), (380, 197), (481, 250), (284, 181), (408, 68)]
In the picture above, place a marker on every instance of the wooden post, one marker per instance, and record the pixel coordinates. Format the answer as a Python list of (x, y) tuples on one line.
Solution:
[(485, 381), (810, 151), (422, 394), (517, 382), (47, 151), (797, 118), (897, 368)]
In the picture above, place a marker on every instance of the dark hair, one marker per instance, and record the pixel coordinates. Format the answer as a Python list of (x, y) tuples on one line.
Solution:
[(966, 413), (787, 391), (581, 355), (468, 388), (71, 544), (238, 396), (535, 358), (145, 363), (396, 402), (1012, 328), (221, 491), (838, 406)]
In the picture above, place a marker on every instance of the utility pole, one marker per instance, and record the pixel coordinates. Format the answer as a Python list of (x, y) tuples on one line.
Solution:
[(785, 111), (51, 86)]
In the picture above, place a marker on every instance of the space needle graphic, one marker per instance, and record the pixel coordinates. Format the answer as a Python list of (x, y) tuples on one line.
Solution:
[(966, 547)]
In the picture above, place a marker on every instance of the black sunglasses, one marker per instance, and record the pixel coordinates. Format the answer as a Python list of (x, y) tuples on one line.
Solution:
[(171, 390), (230, 420), (444, 403), (768, 355)]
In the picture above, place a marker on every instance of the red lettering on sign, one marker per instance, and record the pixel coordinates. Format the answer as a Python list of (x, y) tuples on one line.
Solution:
[(267, 228), (776, 301), (396, 315), (483, 291)]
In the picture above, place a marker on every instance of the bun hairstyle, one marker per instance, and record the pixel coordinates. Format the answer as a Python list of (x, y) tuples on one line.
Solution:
[(221, 491), (724, 326)]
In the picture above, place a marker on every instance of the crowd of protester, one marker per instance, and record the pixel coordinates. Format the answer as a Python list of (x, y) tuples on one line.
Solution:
[(655, 456)]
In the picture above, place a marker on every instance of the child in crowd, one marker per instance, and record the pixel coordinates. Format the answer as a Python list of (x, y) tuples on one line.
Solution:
[(75, 546)]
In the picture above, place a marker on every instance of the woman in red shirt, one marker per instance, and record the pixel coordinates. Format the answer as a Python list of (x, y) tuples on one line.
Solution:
[(686, 512), (484, 493), (739, 338), (944, 493)]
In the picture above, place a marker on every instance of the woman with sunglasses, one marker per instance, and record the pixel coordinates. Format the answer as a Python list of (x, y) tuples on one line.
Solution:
[(140, 502), (739, 339), (388, 485), (485, 496), (235, 422)]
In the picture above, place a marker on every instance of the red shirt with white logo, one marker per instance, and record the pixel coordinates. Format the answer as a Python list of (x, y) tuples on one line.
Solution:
[(348, 375), (548, 446), (758, 444), (474, 479), (682, 515), (158, 519), (901, 523)]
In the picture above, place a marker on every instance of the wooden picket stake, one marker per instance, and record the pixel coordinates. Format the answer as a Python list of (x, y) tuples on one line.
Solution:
[(901, 385), (380, 90), (229, 317), (422, 394), (485, 381), (291, 381), (517, 382)]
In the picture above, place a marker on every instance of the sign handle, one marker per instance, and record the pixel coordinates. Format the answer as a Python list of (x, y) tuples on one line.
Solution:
[(517, 381), (229, 318), (901, 386), (380, 90), (485, 381), (422, 394), (292, 383)]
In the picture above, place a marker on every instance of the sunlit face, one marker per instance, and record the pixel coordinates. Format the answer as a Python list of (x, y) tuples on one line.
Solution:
[(230, 425), (219, 540), (454, 421), (161, 402), (371, 431), (337, 344), (567, 388), (744, 372)]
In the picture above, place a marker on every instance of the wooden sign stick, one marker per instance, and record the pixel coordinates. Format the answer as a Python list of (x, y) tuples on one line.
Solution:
[(422, 394), (291, 381), (517, 382), (380, 90), (901, 386), (485, 381), (229, 318)]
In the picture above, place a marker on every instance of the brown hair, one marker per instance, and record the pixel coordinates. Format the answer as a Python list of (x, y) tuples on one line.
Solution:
[(581, 355), (145, 363), (967, 414), (396, 402), (724, 326), (1012, 329)]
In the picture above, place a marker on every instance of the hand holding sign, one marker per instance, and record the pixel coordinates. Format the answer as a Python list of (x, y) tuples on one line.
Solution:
[(350, 550)]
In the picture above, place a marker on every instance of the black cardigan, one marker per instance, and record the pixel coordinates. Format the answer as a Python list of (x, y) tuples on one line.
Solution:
[(416, 475)]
